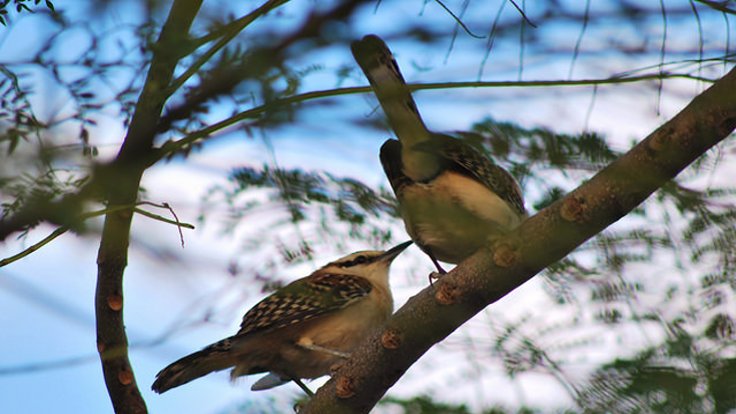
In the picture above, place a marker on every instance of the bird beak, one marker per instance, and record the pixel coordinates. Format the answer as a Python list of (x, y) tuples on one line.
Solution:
[(391, 253)]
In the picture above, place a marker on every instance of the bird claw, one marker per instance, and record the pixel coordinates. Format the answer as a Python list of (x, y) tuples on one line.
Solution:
[(435, 276), (335, 367)]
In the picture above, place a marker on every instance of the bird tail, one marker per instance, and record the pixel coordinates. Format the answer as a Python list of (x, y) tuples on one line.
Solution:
[(379, 66), (215, 357)]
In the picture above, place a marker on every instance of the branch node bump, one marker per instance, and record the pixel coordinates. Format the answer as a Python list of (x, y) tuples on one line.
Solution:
[(573, 209), (727, 126), (447, 293), (125, 377), (505, 256), (115, 302), (344, 387), (336, 367), (661, 139), (391, 339)]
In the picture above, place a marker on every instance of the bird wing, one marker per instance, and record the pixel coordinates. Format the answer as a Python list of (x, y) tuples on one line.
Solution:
[(305, 299), (459, 155), (391, 161)]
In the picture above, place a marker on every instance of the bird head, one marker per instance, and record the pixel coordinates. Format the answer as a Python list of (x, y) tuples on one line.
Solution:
[(370, 264)]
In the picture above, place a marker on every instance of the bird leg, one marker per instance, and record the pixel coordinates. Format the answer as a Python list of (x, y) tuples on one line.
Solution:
[(304, 388), (440, 271)]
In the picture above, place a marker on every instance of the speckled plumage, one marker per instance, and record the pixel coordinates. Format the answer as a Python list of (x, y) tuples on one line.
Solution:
[(460, 155), (304, 299), (302, 329)]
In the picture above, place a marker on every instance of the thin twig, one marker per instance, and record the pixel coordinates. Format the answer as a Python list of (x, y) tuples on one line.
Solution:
[(175, 222), (171, 147), (56, 233), (458, 20), (523, 14), (232, 31)]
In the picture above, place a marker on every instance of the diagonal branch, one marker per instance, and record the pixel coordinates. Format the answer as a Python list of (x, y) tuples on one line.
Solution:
[(492, 273)]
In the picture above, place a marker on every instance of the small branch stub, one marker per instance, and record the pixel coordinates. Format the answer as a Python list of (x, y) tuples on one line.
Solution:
[(729, 124), (115, 302), (447, 293), (573, 209), (336, 367), (661, 139), (344, 387), (505, 256), (391, 339), (125, 377)]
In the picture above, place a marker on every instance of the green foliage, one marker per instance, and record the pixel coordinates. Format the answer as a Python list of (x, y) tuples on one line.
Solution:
[(425, 404), (313, 203), (350, 199), (587, 151), (17, 120), (674, 377)]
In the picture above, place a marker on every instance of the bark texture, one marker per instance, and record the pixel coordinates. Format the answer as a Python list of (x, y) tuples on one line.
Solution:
[(123, 177)]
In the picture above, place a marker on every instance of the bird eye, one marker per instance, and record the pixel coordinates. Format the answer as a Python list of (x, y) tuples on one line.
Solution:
[(360, 260)]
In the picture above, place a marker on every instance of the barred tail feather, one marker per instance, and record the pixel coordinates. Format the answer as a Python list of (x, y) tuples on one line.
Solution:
[(379, 66), (215, 357)]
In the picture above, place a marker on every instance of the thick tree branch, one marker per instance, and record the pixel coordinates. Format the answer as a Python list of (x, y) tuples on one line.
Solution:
[(123, 185), (490, 274)]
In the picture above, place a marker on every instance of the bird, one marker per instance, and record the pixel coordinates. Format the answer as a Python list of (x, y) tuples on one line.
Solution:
[(303, 329), (452, 197)]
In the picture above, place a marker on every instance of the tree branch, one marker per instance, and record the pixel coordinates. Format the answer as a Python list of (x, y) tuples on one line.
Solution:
[(492, 273), (229, 34), (259, 61), (122, 189), (58, 232)]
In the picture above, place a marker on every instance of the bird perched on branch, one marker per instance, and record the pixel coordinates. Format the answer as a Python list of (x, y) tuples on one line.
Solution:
[(302, 329), (452, 197)]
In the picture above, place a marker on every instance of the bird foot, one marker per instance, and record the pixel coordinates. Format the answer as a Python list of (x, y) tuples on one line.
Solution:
[(435, 276), (336, 367)]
